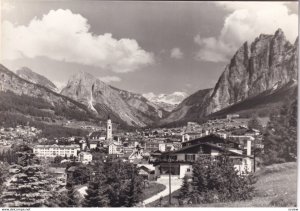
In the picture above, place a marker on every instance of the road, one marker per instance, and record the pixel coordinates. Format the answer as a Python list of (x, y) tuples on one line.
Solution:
[(175, 185), (82, 190)]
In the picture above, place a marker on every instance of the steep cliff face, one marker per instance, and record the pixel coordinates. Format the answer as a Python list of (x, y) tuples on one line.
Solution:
[(267, 64), (255, 68), (36, 78), (9, 81), (131, 108)]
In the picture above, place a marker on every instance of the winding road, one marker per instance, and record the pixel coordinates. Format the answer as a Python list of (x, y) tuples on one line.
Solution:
[(175, 185)]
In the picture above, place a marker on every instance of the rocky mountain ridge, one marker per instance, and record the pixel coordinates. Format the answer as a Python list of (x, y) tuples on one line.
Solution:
[(255, 68), (60, 105), (131, 108), (36, 78), (257, 71)]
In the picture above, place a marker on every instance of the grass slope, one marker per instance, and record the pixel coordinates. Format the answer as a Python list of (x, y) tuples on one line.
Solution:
[(276, 187)]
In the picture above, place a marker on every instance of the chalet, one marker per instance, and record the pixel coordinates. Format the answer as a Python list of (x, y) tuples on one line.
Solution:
[(179, 163), (85, 157), (213, 139), (146, 171)]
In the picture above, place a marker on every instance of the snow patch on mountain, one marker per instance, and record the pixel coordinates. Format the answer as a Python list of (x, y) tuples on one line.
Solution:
[(174, 98)]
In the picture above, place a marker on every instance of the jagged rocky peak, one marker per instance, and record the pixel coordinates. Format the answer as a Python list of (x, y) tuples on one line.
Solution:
[(104, 99), (36, 78), (252, 71)]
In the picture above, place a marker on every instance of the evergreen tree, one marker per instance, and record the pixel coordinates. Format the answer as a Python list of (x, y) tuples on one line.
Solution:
[(123, 183), (218, 181), (280, 138), (133, 190), (71, 199), (185, 189), (96, 193), (27, 184), (3, 176)]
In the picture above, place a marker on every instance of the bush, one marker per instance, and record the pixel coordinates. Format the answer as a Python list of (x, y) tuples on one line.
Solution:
[(218, 181)]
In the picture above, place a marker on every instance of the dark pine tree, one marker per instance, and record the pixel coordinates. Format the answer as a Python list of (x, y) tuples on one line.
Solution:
[(28, 185), (185, 189), (71, 199), (97, 192), (280, 138), (133, 190)]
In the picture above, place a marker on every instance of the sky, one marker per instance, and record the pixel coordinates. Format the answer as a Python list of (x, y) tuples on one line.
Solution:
[(151, 48)]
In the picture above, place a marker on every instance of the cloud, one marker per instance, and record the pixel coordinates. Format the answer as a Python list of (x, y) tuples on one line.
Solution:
[(108, 79), (176, 53), (173, 98), (246, 21), (7, 6), (64, 36)]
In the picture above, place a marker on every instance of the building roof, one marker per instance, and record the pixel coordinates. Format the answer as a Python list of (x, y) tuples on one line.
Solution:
[(145, 169), (72, 146), (85, 153), (72, 168), (182, 150), (115, 143), (209, 139), (57, 170)]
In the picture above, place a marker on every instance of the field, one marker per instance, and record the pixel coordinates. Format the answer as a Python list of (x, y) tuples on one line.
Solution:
[(276, 187)]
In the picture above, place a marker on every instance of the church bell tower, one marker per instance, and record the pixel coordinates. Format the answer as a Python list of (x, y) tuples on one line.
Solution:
[(108, 129)]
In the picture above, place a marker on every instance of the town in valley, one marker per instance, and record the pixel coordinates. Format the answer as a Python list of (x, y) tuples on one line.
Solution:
[(148, 104)]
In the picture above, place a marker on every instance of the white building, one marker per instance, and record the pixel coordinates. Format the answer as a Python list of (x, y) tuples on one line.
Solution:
[(85, 157), (115, 149), (56, 150)]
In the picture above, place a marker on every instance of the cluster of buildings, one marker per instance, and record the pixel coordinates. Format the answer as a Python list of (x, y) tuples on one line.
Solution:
[(164, 152), (19, 134)]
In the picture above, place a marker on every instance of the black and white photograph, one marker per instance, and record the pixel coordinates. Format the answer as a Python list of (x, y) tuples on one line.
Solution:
[(148, 104)]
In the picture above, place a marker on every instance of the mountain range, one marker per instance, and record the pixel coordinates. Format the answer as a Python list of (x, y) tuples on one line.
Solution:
[(36, 78), (255, 68), (104, 99), (259, 74), (166, 101)]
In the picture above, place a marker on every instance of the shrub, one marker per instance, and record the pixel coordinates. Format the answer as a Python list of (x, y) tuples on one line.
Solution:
[(218, 181)]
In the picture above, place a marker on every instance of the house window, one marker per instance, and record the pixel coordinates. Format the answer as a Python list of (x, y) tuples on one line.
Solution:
[(188, 170), (190, 157)]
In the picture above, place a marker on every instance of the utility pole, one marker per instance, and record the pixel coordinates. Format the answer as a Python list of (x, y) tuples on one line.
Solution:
[(169, 179), (254, 149)]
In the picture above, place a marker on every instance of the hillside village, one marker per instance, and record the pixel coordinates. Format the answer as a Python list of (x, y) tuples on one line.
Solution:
[(157, 153), (148, 104)]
